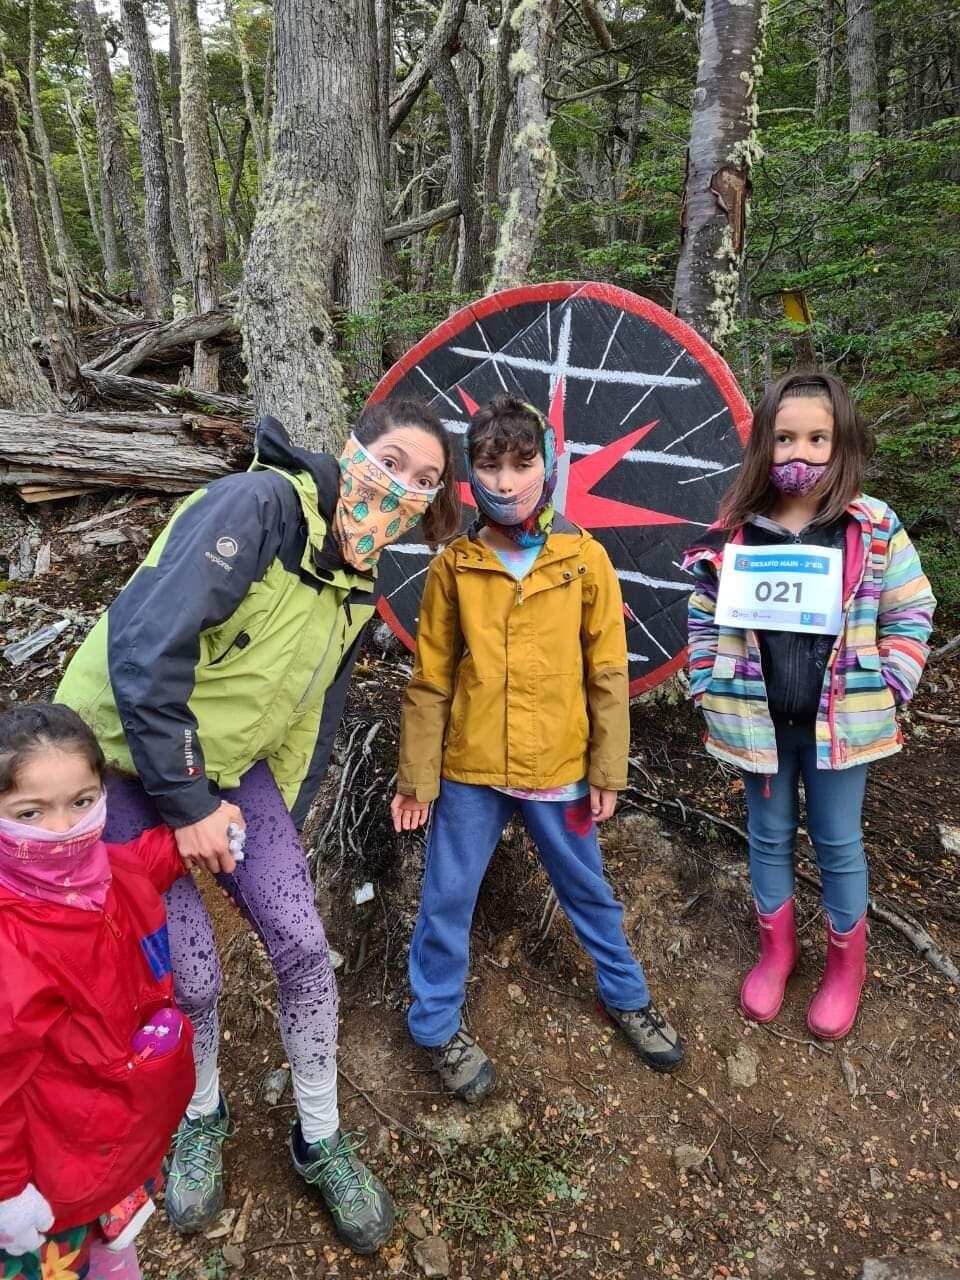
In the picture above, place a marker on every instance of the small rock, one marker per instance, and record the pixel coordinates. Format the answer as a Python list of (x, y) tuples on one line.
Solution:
[(233, 1256), (516, 994), (849, 1076), (432, 1257), (336, 959), (742, 1068), (494, 1119), (876, 1179), (770, 1261), (686, 1157), (414, 1224), (274, 1085), (906, 1269), (950, 837)]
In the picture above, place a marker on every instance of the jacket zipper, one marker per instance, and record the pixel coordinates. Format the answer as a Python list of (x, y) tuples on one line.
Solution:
[(308, 692)]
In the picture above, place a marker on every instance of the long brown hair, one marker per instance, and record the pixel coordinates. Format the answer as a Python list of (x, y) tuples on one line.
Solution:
[(752, 493), (441, 520)]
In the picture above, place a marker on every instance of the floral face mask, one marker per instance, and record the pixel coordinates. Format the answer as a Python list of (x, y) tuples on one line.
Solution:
[(374, 507)]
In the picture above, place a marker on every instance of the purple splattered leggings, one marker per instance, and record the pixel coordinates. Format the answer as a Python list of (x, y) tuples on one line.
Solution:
[(272, 888)]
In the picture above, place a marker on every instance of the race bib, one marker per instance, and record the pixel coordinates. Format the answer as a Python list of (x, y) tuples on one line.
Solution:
[(781, 588)]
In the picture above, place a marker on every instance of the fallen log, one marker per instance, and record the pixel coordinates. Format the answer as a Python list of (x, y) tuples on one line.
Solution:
[(159, 340), (422, 223), (120, 388), (66, 451)]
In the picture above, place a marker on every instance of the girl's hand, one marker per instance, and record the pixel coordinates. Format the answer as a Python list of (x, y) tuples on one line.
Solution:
[(408, 812), (208, 841), (23, 1221), (602, 803)]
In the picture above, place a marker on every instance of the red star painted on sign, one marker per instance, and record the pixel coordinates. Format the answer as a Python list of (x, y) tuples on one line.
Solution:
[(582, 505)]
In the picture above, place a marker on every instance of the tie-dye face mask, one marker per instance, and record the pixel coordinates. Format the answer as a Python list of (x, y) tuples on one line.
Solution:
[(374, 508), (798, 477)]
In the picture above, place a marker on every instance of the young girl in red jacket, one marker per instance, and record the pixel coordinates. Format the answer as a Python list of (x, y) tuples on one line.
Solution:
[(96, 1066)]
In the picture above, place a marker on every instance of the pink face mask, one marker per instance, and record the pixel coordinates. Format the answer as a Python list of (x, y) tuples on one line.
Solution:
[(68, 867), (797, 477)]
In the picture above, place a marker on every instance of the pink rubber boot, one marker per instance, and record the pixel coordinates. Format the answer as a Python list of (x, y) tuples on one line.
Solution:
[(762, 992), (833, 1010)]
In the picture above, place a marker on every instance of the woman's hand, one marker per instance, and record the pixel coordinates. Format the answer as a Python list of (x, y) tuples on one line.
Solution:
[(207, 841), (408, 812), (602, 803)]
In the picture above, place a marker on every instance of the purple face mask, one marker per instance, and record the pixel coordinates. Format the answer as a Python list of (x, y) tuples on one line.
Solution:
[(797, 478)]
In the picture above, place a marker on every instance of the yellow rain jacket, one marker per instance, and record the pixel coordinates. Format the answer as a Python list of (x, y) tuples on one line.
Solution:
[(518, 684)]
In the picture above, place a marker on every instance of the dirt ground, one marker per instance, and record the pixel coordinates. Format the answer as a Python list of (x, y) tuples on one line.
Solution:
[(770, 1154)]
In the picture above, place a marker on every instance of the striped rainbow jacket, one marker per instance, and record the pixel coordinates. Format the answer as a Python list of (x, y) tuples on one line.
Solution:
[(876, 662)]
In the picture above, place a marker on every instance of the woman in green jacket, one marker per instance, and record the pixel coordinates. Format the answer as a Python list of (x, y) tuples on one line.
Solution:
[(215, 683)]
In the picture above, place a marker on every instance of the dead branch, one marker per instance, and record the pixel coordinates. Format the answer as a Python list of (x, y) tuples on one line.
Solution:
[(118, 388), (913, 931), (945, 649), (424, 222), (159, 340)]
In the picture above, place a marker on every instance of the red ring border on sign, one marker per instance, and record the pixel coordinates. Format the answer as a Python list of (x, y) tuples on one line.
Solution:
[(559, 291)]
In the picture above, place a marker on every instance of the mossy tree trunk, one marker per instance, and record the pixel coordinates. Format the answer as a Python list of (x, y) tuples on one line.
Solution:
[(534, 162), (366, 258), (116, 164), (28, 246), (194, 108), (150, 121), (719, 160), (303, 220), (22, 384), (864, 113)]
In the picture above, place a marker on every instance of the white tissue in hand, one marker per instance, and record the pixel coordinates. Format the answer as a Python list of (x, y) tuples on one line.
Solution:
[(236, 838)]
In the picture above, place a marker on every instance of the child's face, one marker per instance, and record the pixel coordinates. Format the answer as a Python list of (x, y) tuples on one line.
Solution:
[(53, 790), (803, 430), (512, 473), (411, 455)]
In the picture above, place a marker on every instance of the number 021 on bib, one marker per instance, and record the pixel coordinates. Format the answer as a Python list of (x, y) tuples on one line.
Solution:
[(781, 588)]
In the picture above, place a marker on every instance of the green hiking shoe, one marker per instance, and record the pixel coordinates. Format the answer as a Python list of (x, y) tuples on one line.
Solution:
[(360, 1204), (195, 1193)]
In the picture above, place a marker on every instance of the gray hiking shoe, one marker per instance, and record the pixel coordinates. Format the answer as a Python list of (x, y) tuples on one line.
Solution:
[(650, 1034), (195, 1193), (463, 1067), (360, 1204)]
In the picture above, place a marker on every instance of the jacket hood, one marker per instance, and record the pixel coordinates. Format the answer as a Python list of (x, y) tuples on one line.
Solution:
[(273, 449), (316, 478)]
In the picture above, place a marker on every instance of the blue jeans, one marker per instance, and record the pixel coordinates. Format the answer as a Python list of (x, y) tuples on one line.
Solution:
[(466, 824), (834, 800)]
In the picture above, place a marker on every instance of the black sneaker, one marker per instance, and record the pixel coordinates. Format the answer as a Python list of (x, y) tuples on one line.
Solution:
[(463, 1067), (650, 1034), (359, 1203)]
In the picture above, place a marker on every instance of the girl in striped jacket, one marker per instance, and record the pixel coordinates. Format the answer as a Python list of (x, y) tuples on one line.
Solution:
[(783, 706)]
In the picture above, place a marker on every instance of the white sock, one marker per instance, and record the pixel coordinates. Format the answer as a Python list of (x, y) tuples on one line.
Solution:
[(206, 1096), (317, 1104)]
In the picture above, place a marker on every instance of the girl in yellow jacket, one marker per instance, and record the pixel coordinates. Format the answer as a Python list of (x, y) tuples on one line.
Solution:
[(518, 703)]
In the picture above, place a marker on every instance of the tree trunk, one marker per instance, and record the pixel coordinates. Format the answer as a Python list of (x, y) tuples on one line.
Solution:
[(303, 219), (242, 225), (22, 384), (155, 180), (21, 206), (365, 256), (535, 165), (825, 39), (442, 37), (111, 249), (194, 107), (862, 81), (496, 128), (266, 103), (85, 172), (66, 253), (386, 81), (249, 101), (117, 173), (469, 263), (722, 150), (179, 221)]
